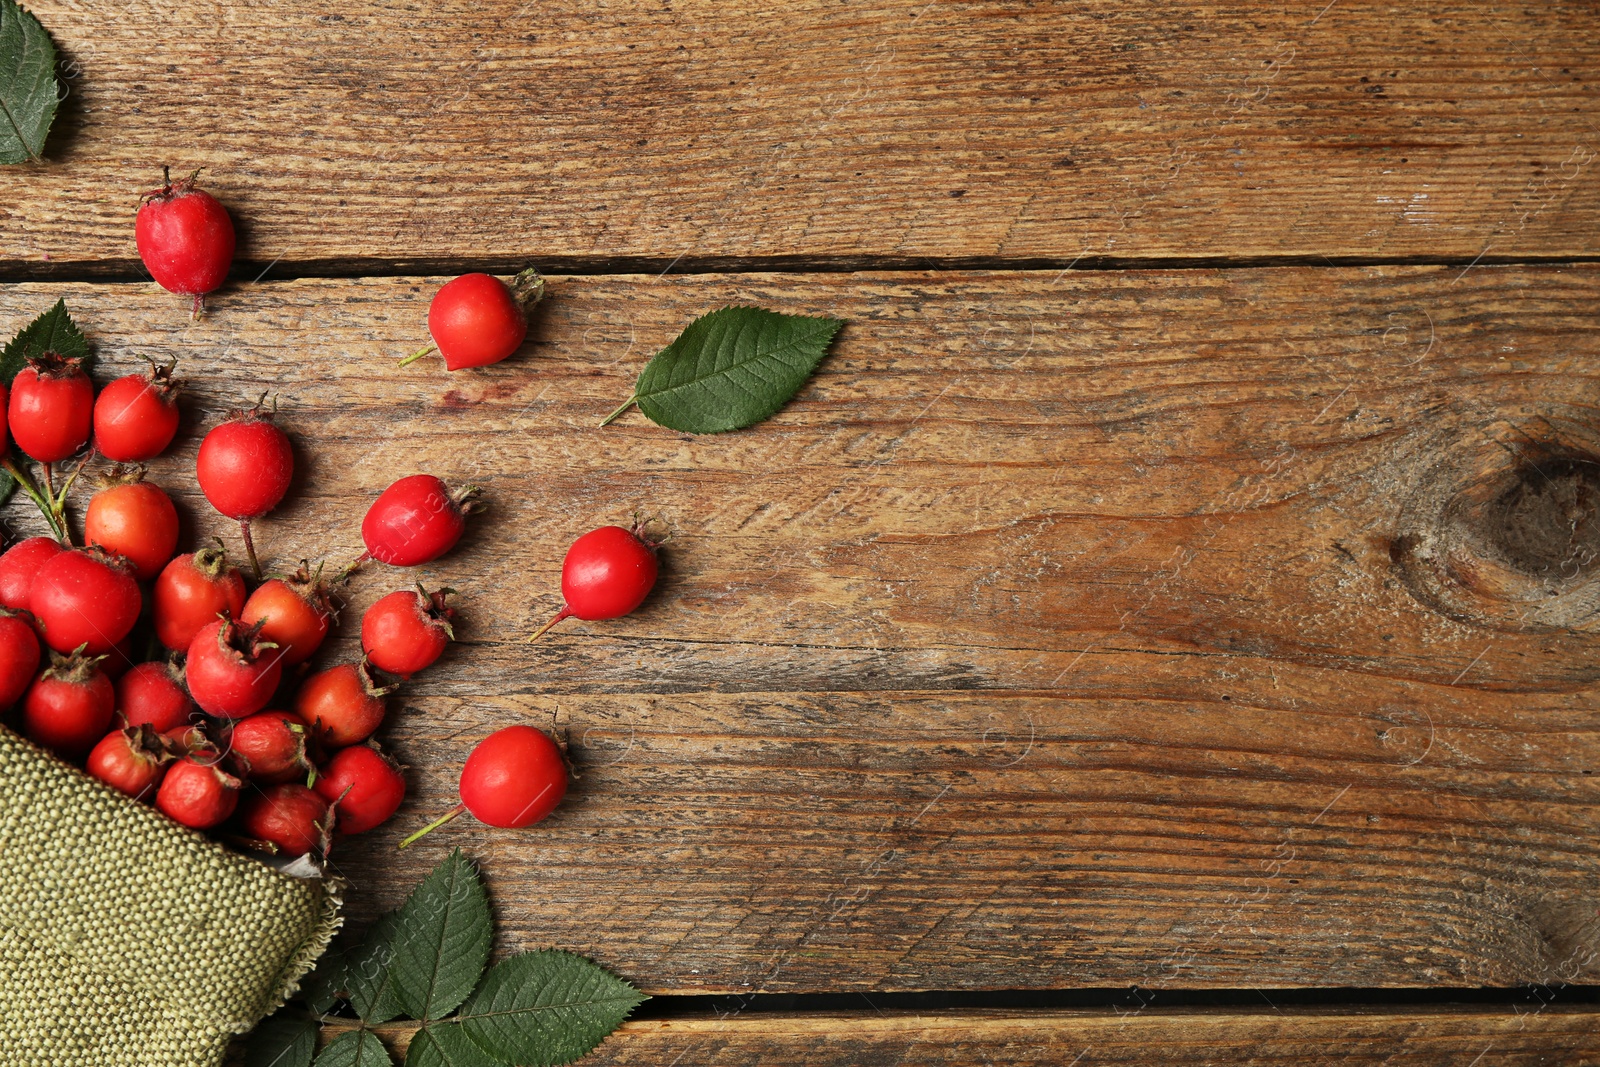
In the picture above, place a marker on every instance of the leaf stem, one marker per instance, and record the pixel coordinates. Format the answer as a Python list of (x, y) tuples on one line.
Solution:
[(413, 357), (10, 466), (459, 809), (617, 414)]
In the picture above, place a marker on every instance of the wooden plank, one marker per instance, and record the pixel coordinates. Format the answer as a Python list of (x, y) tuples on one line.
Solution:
[(698, 133), (1142, 628), (1417, 1038)]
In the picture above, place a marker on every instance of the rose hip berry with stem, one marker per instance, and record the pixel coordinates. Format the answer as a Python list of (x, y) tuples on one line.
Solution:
[(19, 657), (131, 760), (364, 786), (20, 566), (414, 521), (191, 592), (244, 468), (270, 747), (343, 704), (136, 417), (70, 705), (198, 793), (134, 519), (185, 238), (230, 671), (513, 778), (51, 408), (406, 631), (290, 817), (151, 694), (477, 319), (294, 613), (85, 597), (607, 574)]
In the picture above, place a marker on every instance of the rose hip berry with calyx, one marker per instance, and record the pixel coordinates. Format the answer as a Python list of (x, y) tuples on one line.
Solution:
[(342, 704), (513, 778), (244, 467), (70, 706), (270, 747), (198, 793), (414, 521), (130, 760), (185, 238), (294, 613), (87, 598), (51, 408), (152, 694), (607, 574), (191, 592), (134, 519), (407, 630), (290, 817), (136, 417), (20, 566), (364, 786), (231, 672), (477, 319), (19, 657)]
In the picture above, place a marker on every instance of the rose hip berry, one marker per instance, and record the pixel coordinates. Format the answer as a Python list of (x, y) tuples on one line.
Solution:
[(294, 614), (244, 468), (85, 598), (513, 778), (185, 238), (136, 520), (19, 657), (198, 793), (364, 786), (290, 817), (191, 592), (70, 706), (136, 417), (406, 631), (51, 408), (270, 747), (191, 739), (477, 319), (131, 760), (343, 704), (20, 566), (414, 521), (230, 671), (607, 574), (150, 694)]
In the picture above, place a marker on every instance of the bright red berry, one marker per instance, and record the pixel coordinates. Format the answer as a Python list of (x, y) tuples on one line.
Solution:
[(245, 465), (131, 760), (198, 793), (19, 657), (477, 319), (20, 566), (407, 630), (364, 786), (230, 671), (151, 694), (414, 521), (294, 614), (607, 574), (70, 706), (136, 417), (51, 408), (290, 817), (343, 704), (270, 747), (514, 777), (191, 739), (83, 597), (191, 592), (134, 519), (185, 239)]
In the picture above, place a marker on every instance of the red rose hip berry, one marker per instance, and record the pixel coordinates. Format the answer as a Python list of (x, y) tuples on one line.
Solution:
[(231, 673), (294, 614), (85, 598), (198, 793), (185, 238), (19, 657), (414, 521), (136, 417), (342, 704), (70, 706), (290, 817), (136, 520), (407, 630), (270, 747), (20, 566), (51, 408), (244, 467), (607, 574), (364, 786), (151, 694), (477, 319), (132, 761), (191, 592), (513, 778)]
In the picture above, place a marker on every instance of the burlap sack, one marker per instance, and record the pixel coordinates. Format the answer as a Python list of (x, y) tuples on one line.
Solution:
[(128, 940)]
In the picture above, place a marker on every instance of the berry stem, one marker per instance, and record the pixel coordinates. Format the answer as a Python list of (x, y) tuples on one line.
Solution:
[(459, 809), (565, 613), (199, 306), (250, 547), (413, 357), (617, 414), (44, 506)]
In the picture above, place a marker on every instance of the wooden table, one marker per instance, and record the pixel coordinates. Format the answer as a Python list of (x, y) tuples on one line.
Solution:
[(1172, 604)]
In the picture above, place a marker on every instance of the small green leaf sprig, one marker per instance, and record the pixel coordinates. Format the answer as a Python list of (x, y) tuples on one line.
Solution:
[(51, 334)]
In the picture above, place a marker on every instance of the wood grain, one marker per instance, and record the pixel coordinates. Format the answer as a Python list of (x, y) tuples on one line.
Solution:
[(700, 133), (1145, 628)]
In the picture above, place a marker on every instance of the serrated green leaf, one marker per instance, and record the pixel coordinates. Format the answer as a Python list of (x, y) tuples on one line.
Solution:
[(447, 1045), (281, 1041), (53, 331), (325, 986), (8, 485), (367, 974), (441, 941), (357, 1048), (732, 368), (542, 1009), (28, 88)]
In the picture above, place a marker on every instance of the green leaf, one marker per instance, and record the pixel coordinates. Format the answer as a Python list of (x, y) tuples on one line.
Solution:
[(731, 368), (281, 1041), (54, 331), (28, 89), (367, 974), (447, 1045), (325, 986), (441, 941), (541, 1009), (356, 1048)]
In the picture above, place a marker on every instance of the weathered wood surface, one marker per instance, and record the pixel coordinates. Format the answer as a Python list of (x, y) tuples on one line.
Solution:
[(1141, 628), (1425, 1038), (697, 132)]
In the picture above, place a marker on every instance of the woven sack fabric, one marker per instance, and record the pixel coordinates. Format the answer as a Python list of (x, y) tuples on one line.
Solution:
[(126, 939)]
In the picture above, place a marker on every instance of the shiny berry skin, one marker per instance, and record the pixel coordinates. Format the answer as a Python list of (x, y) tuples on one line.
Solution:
[(191, 739), (197, 793), (185, 239), (289, 816), (230, 673), (476, 320), (269, 747), (294, 615), (19, 657), (607, 574), (20, 566), (70, 706), (364, 786), (407, 630), (51, 408), (136, 417), (514, 777), (135, 520), (150, 694), (343, 704), (191, 592), (119, 660), (414, 521), (245, 465), (131, 761), (84, 597)]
